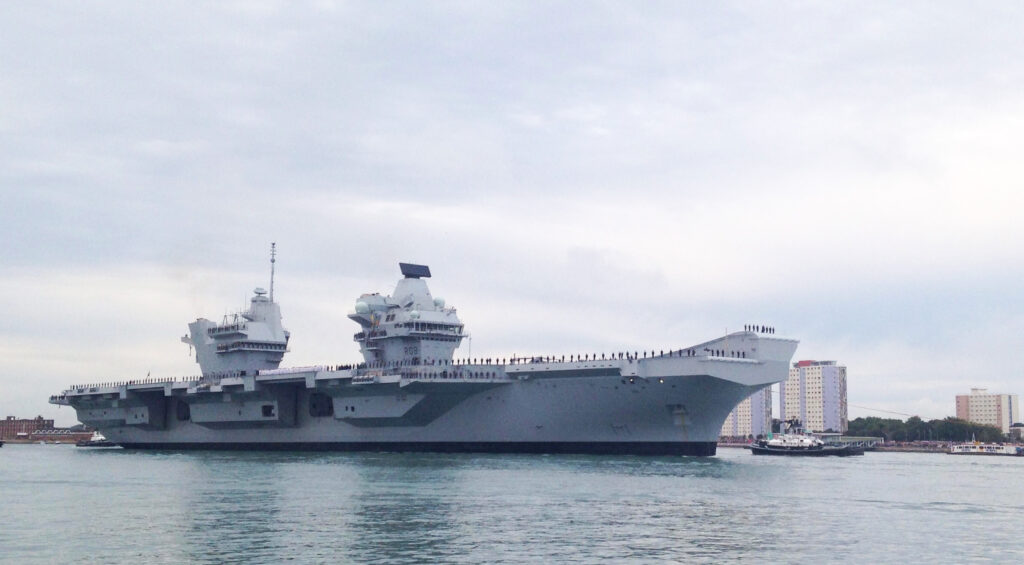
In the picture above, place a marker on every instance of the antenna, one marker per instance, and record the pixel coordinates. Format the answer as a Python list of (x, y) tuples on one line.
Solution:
[(273, 259)]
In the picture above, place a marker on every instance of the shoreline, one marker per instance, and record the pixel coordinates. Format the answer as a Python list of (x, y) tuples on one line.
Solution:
[(889, 449)]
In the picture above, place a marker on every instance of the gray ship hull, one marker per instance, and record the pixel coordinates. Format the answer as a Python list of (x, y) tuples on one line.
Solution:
[(672, 404), (691, 448)]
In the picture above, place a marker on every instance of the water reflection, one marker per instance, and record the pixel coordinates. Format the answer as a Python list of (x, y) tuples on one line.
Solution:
[(404, 510), (231, 507), (209, 507), (243, 507)]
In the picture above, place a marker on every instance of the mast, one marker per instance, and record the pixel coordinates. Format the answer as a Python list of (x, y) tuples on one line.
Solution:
[(273, 259)]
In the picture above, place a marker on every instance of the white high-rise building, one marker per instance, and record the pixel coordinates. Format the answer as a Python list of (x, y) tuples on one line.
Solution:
[(980, 407), (815, 394), (752, 417)]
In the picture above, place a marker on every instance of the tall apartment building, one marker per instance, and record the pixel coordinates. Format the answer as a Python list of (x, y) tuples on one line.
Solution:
[(752, 417), (815, 394), (980, 407)]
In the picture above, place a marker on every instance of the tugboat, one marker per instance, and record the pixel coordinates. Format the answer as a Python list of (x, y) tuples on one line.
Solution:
[(97, 440), (794, 442)]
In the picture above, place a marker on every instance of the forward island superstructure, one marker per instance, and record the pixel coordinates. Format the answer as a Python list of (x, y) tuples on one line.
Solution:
[(410, 394)]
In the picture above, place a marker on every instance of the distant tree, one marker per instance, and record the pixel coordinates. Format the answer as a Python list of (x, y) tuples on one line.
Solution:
[(955, 429), (916, 429), (888, 428)]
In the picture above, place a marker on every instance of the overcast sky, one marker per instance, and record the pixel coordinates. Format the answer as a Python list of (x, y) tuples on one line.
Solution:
[(579, 177)]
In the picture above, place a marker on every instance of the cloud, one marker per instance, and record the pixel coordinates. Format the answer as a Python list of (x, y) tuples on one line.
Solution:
[(579, 176)]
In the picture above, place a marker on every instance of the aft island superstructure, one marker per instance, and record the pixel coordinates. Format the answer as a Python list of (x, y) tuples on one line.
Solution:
[(410, 394)]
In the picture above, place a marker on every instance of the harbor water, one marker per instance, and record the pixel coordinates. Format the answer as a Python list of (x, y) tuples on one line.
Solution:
[(63, 504)]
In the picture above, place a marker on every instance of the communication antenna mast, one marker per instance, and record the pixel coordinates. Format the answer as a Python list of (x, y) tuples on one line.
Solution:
[(273, 259)]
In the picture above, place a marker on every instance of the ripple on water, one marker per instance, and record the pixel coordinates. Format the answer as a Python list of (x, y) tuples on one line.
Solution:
[(115, 506)]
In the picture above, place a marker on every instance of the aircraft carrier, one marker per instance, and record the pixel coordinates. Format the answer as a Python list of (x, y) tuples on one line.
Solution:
[(410, 393)]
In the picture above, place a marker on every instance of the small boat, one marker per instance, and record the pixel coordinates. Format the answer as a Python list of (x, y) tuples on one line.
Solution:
[(97, 440), (796, 443), (976, 448)]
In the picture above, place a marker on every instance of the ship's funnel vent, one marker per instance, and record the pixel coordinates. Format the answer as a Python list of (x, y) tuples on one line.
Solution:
[(414, 271)]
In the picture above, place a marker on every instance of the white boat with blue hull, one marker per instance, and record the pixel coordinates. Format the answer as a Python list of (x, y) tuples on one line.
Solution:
[(410, 394)]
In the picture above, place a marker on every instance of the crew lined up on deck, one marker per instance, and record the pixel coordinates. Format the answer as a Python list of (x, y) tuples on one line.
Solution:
[(724, 353), (583, 357), (514, 360), (759, 329)]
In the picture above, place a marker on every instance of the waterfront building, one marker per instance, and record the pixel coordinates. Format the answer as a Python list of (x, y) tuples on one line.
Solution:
[(60, 435), (815, 394), (1017, 431), (752, 417), (980, 407), (12, 428)]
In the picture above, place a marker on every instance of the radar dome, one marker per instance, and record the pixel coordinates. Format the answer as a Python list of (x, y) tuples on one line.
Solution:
[(415, 314), (439, 302), (362, 307)]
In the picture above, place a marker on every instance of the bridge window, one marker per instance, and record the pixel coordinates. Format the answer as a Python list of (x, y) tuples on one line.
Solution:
[(268, 410)]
